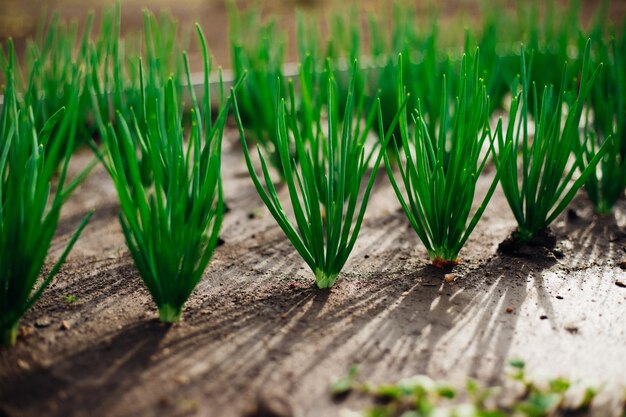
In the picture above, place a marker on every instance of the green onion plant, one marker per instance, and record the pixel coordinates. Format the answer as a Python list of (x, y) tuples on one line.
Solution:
[(606, 184), (55, 77), (439, 173), (537, 181), (29, 212), (330, 168), (171, 226), (257, 53), (115, 64)]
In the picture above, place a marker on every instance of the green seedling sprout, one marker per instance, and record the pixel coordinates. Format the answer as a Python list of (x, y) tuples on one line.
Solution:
[(29, 214), (331, 166), (439, 174), (171, 227), (421, 396), (536, 181)]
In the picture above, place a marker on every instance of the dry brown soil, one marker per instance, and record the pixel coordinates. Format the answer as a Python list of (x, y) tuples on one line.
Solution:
[(257, 331)]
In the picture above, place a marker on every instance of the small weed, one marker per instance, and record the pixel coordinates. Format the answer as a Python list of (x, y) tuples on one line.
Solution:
[(421, 396)]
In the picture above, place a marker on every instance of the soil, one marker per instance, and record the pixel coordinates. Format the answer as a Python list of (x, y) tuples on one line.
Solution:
[(258, 339)]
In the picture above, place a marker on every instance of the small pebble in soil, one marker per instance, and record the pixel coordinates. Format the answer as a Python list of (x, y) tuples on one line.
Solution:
[(558, 297), (182, 379), (449, 278), (366, 256), (543, 317), (620, 284), (509, 310), (65, 325), (43, 322), (26, 331), (22, 364)]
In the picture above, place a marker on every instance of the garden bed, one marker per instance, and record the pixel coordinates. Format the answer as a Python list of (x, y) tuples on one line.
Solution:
[(257, 334)]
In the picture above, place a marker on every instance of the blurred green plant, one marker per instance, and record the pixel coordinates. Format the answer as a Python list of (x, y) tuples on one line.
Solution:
[(606, 184), (29, 214), (258, 54), (421, 396)]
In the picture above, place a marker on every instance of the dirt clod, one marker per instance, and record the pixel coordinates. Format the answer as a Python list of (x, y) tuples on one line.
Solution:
[(43, 322), (449, 278), (542, 245)]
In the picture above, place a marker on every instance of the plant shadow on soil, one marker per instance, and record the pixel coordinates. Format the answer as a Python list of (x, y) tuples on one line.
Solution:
[(247, 337), (257, 323), (91, 379)]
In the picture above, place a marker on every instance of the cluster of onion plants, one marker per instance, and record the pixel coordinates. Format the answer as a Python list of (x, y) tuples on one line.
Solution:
[(115, 63), (55, 77), (537, 179), (422, 65), (168, 182), (29, 214), (165, 162), (439, 172), (325, 181)]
